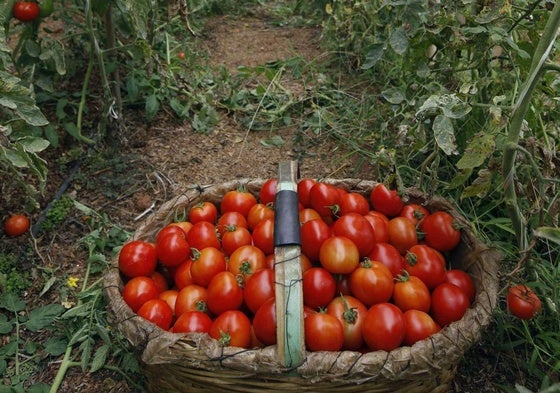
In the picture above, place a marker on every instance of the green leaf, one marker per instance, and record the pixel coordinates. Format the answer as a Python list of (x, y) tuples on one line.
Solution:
[(56, 346), (6, 326), (399, 41), (50, 282), (275, 140), (99, 358), (444, 134), (73, 130), (42, 317), (51, 135), (33, 144), (373, 56), (11, 302), (152, 106), (394, 95), (548, 233), (480, 147), (39, 387), (480, 186)]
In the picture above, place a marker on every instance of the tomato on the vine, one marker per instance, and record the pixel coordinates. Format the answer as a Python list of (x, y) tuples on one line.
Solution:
[(232, 328), (193, 322), (138, 290), (383, 327), (523, 302), (449, 304), (137, 258), (441, 231), (351, 313), (339, 255), (318, 287), (46, 8), (418, 326), (158, 312), (385, 200), (357, 228), (26, 11), (16, 225), (371, 282), (323, 332)]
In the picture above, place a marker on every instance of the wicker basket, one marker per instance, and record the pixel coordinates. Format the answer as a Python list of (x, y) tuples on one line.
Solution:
[(196, 363)]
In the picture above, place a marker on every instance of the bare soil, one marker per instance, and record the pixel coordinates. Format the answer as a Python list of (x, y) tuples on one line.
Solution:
[(164, 158)]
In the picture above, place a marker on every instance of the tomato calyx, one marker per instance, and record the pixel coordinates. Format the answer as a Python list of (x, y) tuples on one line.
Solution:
[(201, 306), (411, 258), (404, 276), (366, 263), (350, 314), (225, 339), (195, 253)]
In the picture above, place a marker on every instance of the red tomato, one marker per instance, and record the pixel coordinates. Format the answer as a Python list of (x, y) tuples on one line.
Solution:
[(383, 327), (235, 237), (427, 264), (138, 290), (449, 304), (258, 289), (388, 255), (303, 188), (172, 249), (351, 313), (352, 202), (342, 284), (358, 229), (26, 11), (158, 312), (372, 282), (339, 255), (245, 261), (402, 234), (191, 298), (410, 293), (267, 194), (441, 231), (239, 201), (463, 280), (414, 212), (264, 322), (418, 326), (385, 200), (182, 275), (379, 223), (170, 297), (17, 224), (160, 280), (184, 225), (258, 213), (224, 293), (172, 228), (523, 302), (323, 332), (313, 234), (206, 263), (263, 236), (137, 258), (232, 328), (324, 198), (203, 234), (193, 322), (230, 220), (308, 214), (203, 211), (318, 287)]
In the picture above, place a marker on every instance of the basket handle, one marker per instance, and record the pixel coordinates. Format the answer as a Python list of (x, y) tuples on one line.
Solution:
[(287, 262)]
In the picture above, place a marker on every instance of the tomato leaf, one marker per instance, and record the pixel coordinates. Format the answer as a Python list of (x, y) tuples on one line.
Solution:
[(444, 134), (480, 186), (399, 41), (11, 302), (99, 358), (394, 95), (374, 54), (42, 317)]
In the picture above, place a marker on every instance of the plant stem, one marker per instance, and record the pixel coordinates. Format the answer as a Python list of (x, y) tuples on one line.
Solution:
[(514, 132)]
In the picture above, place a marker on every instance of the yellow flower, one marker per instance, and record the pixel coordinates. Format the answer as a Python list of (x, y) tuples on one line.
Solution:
[(72, 282)]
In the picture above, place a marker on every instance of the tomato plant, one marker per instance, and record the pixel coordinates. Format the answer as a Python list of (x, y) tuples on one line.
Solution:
[(339, 255), (232, 328), (137, 258), (26, 11), (318, 287), (385, 200), (449, 304), (418, 326), (224, 293), (16, 225), (523, 302), (193, 322), (351, 313), (158, 312), (323, 332), (138, 290), (358, 229), (383, 327), (46, 8), (441, 231), (371, 282)]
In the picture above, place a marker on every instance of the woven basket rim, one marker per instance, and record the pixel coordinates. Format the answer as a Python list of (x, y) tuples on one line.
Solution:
[(427, 357)]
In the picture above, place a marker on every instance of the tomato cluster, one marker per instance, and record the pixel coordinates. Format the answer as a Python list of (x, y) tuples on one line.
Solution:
[(374, 270)]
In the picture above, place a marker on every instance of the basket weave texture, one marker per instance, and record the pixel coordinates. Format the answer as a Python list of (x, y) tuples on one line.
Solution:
[(196, 363)]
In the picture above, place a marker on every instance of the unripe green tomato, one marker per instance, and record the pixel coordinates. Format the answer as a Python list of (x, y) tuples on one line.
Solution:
[(46, 8)]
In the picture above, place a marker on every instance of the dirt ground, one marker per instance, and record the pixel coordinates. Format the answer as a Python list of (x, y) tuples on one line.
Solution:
[(165, 158)]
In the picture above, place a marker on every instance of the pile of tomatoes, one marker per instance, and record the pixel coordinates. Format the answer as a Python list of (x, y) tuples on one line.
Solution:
[(375, 274)]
